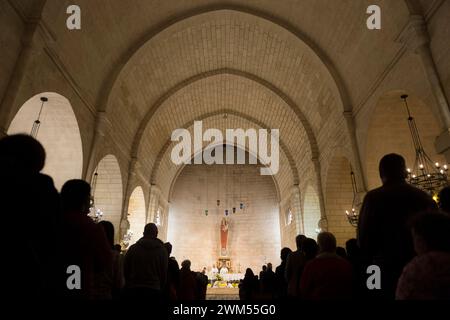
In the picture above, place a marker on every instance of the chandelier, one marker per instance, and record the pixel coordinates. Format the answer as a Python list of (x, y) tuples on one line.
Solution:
[(353, 214), (426, 175), (95, 213), (37, 122)]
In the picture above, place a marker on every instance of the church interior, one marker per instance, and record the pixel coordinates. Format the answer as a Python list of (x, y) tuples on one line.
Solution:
[(104, 85)]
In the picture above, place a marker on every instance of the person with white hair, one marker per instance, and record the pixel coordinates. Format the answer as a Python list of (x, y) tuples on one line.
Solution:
[(328, 276)]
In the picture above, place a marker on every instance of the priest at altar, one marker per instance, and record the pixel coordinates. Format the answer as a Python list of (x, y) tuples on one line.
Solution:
[(223, 270)]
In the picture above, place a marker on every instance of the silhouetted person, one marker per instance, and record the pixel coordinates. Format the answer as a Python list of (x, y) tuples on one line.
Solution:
[(328, 276), (110, 282), (310, 249), (444, 200), (262, 272), (29, 202), (359, 272), (268, 282), (294, 264), (173, 275), (281, 283), (85, 242), (249, 286), (188, 282), (427, 276), (202, 284), (383, 234), (353, 252), (145, 267), (341, 252)]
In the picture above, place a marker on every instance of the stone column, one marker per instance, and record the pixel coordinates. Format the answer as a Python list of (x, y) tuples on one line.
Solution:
[(297, 209), (323, 223), (155, 194), (102, 128), (132, 170), (417, 40), (360, 178), (158, 201)]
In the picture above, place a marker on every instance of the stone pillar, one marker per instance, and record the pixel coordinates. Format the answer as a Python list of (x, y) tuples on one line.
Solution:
[(158, 201), (132, 170), (297, 209), (323, 223), (102, 128), (360, 178), (417, 40), (155, 195)]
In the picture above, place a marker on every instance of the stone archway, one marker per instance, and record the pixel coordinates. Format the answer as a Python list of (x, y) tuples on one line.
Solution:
[(136, 214), (58, 132), (254, 237), (108, 191), (338, 198)]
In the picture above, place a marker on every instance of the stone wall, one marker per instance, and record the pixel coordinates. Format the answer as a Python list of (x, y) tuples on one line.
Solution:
[(254, 236)]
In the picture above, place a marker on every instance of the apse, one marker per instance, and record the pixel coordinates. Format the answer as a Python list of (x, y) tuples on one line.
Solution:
[(204, 195), (136, 215)]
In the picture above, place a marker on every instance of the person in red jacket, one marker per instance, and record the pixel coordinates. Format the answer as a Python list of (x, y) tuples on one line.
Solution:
[(328, 276)]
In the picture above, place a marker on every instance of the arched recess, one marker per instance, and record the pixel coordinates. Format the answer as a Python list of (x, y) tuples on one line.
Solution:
[(58, 132), (108, 191), (136, 214), (212, 146), (164, 170), (388, 132), (254, 232), (338, 198), (311, 212)]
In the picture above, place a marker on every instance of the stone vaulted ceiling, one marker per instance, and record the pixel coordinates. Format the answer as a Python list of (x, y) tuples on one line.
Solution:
[(157, 66)]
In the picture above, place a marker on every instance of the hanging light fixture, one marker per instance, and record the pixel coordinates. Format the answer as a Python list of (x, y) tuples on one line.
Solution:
[(37, 122), (95, 213), (426, 175), (353, 214)]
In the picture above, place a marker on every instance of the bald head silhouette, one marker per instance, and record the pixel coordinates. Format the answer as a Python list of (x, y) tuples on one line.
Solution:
[(392, 168), (150, 231)]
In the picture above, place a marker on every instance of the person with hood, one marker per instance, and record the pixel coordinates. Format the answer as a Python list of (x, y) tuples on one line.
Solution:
[(145, 266)]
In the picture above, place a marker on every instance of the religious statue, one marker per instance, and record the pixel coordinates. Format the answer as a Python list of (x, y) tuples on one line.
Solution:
[(224, 237)]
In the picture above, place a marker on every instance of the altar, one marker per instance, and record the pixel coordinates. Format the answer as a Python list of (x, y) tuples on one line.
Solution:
[(228, 277)]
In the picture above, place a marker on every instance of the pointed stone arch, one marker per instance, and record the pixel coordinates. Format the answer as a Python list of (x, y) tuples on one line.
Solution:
[(58, 132), (108, 191)]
